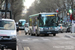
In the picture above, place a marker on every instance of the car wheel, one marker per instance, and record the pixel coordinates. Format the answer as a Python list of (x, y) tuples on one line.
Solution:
[(54, 34), (14, 49)]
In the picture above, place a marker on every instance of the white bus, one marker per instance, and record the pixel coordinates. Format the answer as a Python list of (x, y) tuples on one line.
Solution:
[(22, 23), (43, 23)]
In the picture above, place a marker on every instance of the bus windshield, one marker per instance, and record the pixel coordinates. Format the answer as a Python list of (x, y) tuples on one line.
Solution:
[(48, 21), (22, 23)]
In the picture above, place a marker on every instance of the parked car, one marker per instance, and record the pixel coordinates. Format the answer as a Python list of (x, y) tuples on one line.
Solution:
[(8, 33), (62, 28), (26, 29)]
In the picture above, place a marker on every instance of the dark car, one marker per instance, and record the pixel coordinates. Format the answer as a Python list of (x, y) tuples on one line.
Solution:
[(17, 27)]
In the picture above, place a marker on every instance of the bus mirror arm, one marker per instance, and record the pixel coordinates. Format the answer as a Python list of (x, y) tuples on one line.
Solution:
[(39, 17)]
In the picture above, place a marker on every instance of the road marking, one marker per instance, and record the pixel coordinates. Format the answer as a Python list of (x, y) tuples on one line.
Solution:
[(17, 39), (35, 40), (26, 48), (54, 38), (45, 39), (70, 36), (24, 40), (17, 47), (28, 38), (65, 38)]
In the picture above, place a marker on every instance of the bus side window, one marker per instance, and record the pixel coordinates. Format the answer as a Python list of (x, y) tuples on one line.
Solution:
[(30, 22)]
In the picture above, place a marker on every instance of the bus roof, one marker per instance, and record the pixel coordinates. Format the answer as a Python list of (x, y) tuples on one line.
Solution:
[(22, 20), (43, 13)]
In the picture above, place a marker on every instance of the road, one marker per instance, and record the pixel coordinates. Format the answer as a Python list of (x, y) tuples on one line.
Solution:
[(62, 41)]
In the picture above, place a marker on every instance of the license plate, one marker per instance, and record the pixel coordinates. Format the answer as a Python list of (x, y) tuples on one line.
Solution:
[(48, 32)]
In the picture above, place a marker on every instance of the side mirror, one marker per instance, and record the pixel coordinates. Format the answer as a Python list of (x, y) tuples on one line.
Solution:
[(39, 16)]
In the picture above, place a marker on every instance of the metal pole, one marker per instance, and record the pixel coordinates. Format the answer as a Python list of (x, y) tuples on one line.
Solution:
[(72, 18), (72, 9), (6, 1)]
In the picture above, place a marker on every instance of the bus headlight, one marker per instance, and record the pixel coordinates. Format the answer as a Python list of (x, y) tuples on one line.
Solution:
[(40, 29)]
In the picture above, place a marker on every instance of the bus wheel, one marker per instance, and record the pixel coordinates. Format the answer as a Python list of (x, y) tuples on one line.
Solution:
[(37, 34), (54, 34), (31, 34)]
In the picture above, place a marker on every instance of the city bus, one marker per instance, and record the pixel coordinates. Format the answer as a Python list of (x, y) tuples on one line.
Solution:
[(21, 24), (43, 23)]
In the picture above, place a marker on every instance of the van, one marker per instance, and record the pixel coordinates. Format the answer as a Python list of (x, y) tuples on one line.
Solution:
[(8, 33)]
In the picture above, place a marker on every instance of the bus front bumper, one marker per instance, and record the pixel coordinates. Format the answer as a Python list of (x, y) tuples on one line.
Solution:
[(48, 32)]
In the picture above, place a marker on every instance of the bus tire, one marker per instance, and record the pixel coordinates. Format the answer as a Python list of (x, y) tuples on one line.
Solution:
[(14, 49), (37, 34), (32, 34), (54, 34)]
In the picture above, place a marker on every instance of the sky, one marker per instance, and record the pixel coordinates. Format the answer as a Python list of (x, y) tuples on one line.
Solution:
[(28, 3)]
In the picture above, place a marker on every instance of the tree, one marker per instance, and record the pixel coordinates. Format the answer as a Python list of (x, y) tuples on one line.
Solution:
[(44, 6), (16, 7), (48, 5)]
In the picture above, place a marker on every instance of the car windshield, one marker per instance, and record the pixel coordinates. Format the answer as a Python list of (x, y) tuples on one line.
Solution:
[(7, 25)]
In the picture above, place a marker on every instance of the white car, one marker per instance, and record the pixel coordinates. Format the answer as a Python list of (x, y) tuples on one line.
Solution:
[(62, 28), (8, 33), (26, 29)]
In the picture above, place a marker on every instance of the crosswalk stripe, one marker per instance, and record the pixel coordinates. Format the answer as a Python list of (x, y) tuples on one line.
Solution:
[(24, 40), (35, 40), (66, 37), (26, 48), (45, 39)]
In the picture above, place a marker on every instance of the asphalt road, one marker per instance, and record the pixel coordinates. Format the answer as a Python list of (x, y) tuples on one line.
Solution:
[(62, 41)]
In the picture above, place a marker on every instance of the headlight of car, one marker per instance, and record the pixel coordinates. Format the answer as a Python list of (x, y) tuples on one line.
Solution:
[(40, 29), (56, 28), (13, 37)]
